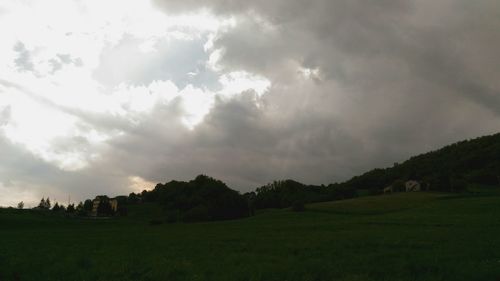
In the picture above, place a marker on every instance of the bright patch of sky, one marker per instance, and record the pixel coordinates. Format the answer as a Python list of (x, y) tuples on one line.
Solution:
[(118, 58), (138, 184), (23, 194)]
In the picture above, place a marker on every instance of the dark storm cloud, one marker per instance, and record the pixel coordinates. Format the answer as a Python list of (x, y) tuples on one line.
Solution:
[(393, 78), (444, 42)]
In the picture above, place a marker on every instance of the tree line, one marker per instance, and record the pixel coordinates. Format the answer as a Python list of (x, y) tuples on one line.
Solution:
[(208, 199), (451, 168), (45, 204)]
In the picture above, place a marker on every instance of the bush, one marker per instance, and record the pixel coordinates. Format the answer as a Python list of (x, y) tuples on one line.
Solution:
[(202, 199), (122, 210), (486, 177), (196, 214), (458, 184), (173, 216), (398, 186), (155, 222)]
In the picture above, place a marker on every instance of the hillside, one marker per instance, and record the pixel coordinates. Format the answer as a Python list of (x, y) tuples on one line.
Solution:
[(450, 168)]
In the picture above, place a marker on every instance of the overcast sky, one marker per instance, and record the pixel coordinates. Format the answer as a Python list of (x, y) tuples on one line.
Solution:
[(110, 97)]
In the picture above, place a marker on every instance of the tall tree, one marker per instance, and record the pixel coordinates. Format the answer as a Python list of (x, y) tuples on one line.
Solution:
[(41, 205), (87, 205), (56, 207)]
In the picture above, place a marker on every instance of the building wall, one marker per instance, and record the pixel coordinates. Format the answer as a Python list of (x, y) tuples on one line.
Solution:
[(97, 201)]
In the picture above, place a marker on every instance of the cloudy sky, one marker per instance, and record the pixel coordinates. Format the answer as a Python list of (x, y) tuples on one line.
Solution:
[(110, 97)]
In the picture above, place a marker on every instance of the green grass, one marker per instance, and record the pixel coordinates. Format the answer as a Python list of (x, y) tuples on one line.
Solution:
[(371, 205), (417, 236), (484, 190)]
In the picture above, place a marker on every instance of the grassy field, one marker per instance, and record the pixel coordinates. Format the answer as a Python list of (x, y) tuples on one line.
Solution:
[(418, 236)]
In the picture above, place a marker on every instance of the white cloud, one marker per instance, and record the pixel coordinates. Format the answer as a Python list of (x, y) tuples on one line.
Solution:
[(52, 97), (240, 81)]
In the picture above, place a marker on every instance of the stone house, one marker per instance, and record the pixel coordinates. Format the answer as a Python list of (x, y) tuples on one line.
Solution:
[(412, 185), (388, 189), (100, 199)]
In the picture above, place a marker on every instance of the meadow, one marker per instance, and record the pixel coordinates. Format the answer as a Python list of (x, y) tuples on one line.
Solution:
[(405, 236)]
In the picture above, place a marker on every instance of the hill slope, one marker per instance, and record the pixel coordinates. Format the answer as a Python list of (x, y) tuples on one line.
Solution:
[(446, 169)]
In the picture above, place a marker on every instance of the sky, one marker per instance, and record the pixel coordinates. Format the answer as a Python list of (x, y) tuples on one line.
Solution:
[(114, 96)]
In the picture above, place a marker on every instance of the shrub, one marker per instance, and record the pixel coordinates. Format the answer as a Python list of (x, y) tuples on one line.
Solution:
[(458, 184), (155, 222), (198, 213), (398, 186), (173, 216)]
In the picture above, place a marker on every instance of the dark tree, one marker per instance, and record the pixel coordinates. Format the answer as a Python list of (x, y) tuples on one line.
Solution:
[(70, 209), (41, 205), (202, 199), (56, 207), (398, 186), (80, 211), (133, 198), (87, 206), (458, 184), (44, 204), (283, 194)]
